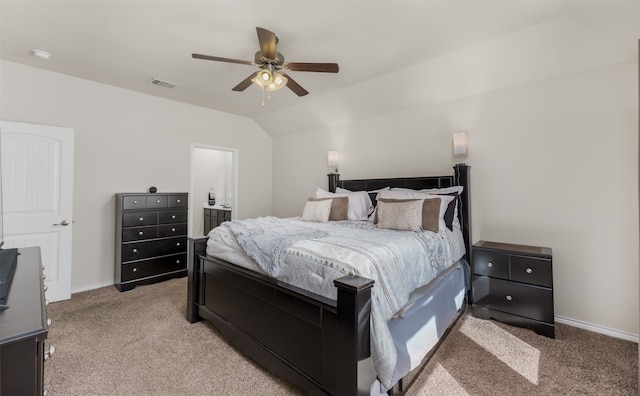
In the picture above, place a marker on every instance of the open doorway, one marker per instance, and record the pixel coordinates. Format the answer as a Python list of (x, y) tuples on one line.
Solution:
[(213, 169)]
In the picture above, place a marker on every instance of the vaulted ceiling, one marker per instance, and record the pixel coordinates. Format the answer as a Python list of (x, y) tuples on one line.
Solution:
[(391, 53)]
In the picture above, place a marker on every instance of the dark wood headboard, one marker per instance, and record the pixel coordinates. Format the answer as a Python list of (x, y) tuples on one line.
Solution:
[(460, 177)]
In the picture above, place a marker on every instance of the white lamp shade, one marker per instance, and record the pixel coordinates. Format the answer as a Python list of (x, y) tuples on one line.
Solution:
[(333, 159), (460, 143)]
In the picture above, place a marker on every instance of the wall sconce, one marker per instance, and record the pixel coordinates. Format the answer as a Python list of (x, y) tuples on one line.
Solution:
[(460, 145), (333, 160)]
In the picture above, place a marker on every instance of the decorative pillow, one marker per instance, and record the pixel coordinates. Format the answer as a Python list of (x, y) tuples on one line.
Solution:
[(430, 212), (451, 214), (403, 215), (445, 200), (317, 210), (373, 194), (339, 207), (359, 203)]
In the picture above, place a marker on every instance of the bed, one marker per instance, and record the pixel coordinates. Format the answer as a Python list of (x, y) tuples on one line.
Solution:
[(323, 342)]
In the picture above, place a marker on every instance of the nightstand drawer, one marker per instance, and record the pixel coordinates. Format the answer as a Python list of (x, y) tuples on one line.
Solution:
[(491, 264), (524, 300), (531, 270)]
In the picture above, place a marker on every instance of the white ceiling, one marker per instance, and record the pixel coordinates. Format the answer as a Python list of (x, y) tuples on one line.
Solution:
[(381, 47)]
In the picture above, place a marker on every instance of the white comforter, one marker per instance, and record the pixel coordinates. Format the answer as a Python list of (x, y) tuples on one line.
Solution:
[(398, 262)]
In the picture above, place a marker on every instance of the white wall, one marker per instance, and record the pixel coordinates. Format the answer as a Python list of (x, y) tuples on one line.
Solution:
[(554, 163), (126, 142)]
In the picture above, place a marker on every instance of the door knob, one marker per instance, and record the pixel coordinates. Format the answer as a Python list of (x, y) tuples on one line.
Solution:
[(63, 223)]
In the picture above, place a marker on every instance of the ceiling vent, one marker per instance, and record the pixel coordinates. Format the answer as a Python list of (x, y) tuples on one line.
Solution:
[(162, 83)]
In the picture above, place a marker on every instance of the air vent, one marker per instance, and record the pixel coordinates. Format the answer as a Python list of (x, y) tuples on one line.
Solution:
[(162, 83)]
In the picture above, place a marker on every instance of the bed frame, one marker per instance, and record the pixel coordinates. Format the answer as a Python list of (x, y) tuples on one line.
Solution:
[(318, 344)]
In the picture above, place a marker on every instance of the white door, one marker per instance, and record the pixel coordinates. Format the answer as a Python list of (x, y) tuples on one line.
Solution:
[(37, 192)]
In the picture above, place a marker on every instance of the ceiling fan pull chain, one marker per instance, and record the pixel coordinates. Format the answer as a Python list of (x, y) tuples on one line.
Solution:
[(262, 96)]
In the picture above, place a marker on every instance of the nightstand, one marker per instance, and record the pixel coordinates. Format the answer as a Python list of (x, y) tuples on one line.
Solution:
[(214, 216), (514, 284)]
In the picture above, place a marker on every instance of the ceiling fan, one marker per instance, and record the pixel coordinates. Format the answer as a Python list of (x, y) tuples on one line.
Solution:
[(271, 77)]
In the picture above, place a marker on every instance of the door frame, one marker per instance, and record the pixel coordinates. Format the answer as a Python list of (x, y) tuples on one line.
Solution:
[(193, 171)]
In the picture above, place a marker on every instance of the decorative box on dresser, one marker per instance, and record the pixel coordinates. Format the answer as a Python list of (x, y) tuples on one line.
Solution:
[(214, 216), (24, 327), (151, 238), (514, 284)]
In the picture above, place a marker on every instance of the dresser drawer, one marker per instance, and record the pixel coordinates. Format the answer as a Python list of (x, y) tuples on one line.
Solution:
[(157, 201), (173, 216), (159, 247), (177, 201), (531, 270), (491, 264), (136, 219), (134, 202), (515, 298), (139, 233), (155, 266), (172, 230)]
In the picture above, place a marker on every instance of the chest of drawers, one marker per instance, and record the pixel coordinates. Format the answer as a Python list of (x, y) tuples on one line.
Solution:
[(151, 238), (514, 284), (214, 216)]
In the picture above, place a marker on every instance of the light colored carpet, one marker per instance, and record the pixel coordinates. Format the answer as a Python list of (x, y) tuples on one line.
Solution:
[(139, 343)]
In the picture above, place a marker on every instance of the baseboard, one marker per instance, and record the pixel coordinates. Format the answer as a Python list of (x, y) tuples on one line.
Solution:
[(598, 329), (91, 287)]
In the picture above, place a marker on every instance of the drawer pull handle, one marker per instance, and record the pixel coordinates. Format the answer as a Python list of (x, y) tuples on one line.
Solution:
[(157, 201), (135, 269), (489, 264), (177, 261), (178, 201), (135, 202), (178, 244), (50, 352), (529, 271), (142, 218), (173, 216), (141, 233), (509, 298), (135, 250), (173, 230)]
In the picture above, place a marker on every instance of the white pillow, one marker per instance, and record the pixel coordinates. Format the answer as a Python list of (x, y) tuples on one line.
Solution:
[(435, 191), (412, 194), (317, 211), (359, 203)]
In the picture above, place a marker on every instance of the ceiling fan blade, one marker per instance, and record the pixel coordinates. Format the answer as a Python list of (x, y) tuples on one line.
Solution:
[(295, 87), (219, 59), (312, 67), (244, 84), (267, 41)]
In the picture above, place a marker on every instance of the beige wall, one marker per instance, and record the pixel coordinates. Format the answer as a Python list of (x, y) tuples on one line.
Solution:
[(126, 142), (554, 163)]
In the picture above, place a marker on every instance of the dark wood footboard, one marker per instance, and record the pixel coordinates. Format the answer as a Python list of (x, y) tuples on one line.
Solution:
[(321, 345)]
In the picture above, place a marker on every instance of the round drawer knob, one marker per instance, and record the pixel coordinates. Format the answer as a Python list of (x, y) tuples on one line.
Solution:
[(135, 202), (177, 261), (135, 269), (142, 218), (50, 352), (178, 201), (140, 233), (489, 264), (529, 271), (135, 250), (178, 244), (173, 230), (509, 298), (173, 216)]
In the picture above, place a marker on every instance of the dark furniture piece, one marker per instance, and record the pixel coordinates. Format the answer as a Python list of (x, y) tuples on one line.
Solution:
[(321, 345), (151, 238), (514, 284), (24, 328), (213, 217)]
